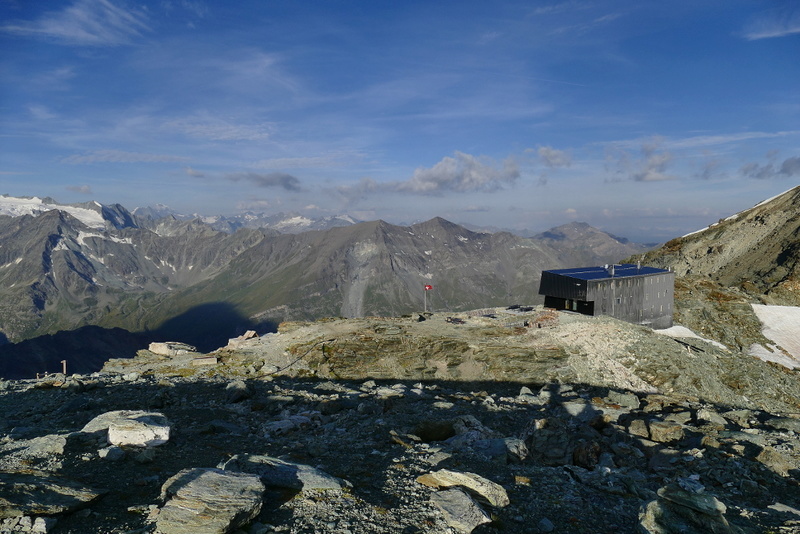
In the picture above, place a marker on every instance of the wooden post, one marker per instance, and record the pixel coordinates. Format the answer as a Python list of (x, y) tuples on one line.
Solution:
[(64, 367)]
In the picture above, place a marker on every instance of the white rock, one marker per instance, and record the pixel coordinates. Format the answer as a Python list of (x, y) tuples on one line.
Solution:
[(131, 428), (140, 432), (170, 348), (43, 524)]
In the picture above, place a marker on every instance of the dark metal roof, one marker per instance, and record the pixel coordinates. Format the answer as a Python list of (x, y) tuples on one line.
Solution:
[(598, 273)]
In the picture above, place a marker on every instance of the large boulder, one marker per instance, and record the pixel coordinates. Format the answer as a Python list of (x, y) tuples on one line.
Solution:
[(209, 501)]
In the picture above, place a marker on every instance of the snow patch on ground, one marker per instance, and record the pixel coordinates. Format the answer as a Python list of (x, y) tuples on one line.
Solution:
[(681, 331), (781, 325)]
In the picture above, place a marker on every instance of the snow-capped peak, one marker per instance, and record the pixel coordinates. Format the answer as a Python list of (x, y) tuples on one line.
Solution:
[(19, 206)]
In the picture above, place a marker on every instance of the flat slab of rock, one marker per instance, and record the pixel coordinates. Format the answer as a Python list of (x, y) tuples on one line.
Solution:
[(282, 474), (486, 490), (41, 494), (209, 501), (460, 510), (132, 428)]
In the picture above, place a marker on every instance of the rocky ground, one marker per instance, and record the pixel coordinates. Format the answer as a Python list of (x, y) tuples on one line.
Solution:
[(493, 421)]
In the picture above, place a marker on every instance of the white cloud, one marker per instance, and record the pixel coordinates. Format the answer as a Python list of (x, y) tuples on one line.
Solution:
[(254, 70), (41, 113), (561, 7), (586, 26), (650, 167), (85, 22), (711, 140), (308, 162), (56, 79), (775, 23), (461, 173), (711, 168), (119, 156), (218, 130), (553, 158), (488, 37), (653, 166), (199, 9)]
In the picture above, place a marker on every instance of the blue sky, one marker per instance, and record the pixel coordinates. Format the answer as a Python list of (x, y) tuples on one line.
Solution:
[(645, 119)]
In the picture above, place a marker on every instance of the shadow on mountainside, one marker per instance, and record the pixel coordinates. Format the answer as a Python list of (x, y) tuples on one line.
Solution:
[(588, 468), (86, 349), (209, 326)]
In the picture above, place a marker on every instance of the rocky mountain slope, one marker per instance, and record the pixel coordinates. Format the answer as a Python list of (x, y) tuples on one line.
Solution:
[(375, 269), (757, 250), (582, 244), (751, 257), (490, 421), (57, 273)]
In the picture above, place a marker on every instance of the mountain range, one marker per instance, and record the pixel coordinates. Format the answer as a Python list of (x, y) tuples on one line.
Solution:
[(536, 419), (286, 223), (64, 268)]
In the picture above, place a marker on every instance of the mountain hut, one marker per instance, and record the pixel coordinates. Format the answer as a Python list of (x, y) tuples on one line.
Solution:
[(633, 293)]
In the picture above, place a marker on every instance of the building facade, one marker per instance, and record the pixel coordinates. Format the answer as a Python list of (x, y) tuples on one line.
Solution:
[(642, 295)]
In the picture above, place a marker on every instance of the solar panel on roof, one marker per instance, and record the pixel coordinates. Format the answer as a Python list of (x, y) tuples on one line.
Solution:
[(599, 272)]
